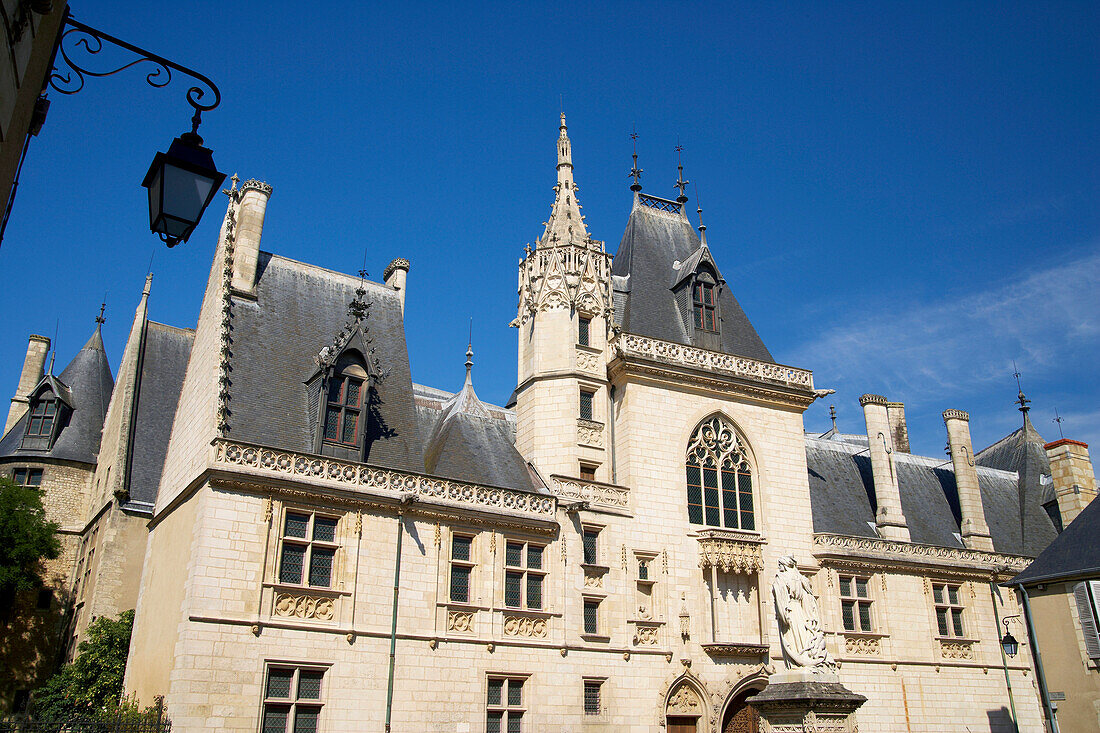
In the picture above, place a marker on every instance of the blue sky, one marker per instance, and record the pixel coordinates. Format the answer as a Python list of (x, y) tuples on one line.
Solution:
[(903, 197)]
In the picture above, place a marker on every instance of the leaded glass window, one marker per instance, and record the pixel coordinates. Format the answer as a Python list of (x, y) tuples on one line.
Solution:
[(590, 540), (292, 700), (855, 603), (504, 705), (308, 549), (719, 478), (591, 616), (523, 575), (345, 403), (704, 306), (586, 404), (949, 609), (462, 567)]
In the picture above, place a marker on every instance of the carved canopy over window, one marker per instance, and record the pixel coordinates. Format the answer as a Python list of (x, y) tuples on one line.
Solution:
[(719, 477)]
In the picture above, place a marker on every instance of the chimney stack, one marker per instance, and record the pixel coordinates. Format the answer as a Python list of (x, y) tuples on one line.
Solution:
[(889, 519), (37, 348), (1073, 476), (899, 432), (395, 275), (250, 226), (974, 530)]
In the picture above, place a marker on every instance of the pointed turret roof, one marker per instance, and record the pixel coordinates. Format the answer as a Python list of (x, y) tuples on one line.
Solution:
[(85, 385), (566, 224)]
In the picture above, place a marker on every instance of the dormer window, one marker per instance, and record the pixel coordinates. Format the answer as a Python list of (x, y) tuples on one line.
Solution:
[(43, 414), (704, 306), (345, 403)]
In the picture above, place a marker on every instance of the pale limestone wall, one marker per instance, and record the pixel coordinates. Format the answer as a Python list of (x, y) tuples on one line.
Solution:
[(118, 575)]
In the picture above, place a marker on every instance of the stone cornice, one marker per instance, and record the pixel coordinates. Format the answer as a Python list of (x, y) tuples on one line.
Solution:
[(712, 369), (841, 550), (377, 487)]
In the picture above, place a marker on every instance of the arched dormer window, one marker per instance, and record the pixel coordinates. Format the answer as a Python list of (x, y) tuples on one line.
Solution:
[(719, 477), (48, 414), (704, 303), (347, 392)]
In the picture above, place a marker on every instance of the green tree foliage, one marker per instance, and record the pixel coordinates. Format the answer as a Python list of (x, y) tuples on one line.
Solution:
[(92, 685), (26, 538)]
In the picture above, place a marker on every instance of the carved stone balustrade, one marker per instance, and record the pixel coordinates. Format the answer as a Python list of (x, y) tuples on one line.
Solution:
[(594, 492), (730, 552)]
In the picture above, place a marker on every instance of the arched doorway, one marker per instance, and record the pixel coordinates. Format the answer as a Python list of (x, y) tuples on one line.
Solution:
[(683, 710), (741, 716)]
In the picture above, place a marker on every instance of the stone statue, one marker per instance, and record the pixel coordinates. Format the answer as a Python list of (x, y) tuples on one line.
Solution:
[(800, 634)]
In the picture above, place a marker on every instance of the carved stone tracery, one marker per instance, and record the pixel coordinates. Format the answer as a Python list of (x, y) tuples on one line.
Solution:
[(527, 626), (290, 605)]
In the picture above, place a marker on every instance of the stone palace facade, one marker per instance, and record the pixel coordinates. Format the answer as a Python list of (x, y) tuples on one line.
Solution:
[(312, 541)]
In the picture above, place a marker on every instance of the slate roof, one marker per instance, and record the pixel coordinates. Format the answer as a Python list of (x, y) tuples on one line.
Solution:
[(167, 350), (842, 499), (89, 384), (1074, 554), (299, 308), (468, 442), (643, 275)]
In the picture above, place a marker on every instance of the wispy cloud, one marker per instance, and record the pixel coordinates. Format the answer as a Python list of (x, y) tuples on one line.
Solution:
[(1047, 320)]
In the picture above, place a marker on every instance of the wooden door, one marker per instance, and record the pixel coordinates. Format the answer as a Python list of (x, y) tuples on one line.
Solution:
[(681, 725), (745, 720)]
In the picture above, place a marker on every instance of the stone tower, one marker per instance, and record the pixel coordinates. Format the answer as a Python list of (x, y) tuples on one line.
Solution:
[(564, 324)]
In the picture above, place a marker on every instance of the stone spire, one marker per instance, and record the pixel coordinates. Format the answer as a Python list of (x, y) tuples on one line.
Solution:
[(566, 225)]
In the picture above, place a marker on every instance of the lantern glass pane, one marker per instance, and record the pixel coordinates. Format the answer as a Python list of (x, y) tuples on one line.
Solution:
[(185, 193)]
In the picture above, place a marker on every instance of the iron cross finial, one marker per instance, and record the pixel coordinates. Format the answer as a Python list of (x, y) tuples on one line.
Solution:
[(102, 307), (635, 172), (1059, 419), (680, 182)]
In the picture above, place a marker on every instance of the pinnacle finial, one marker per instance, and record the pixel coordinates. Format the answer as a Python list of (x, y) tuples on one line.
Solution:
[(470, 351), (635, 172), (1021, 399), (680, 182), (832, 415), (699, 212), (1059, 419), (102, 307)]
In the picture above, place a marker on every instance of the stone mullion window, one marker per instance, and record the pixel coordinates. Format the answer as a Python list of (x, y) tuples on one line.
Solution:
[(524, 575), (949, 609), (504, 708), (719, 478), (855, 603), (29, 477), (462, 568), (292, 700), (307, 549)]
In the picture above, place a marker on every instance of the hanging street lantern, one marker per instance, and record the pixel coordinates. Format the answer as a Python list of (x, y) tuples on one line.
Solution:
[(181, 183)]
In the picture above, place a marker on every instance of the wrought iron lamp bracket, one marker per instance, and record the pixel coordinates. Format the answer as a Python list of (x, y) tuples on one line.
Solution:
[(71, 81)]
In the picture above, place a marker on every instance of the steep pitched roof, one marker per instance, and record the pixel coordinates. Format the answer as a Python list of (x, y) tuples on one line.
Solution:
[(658, 237), (842, 499), (1074, 554), (86, 385), (167, 350), (276, 339)]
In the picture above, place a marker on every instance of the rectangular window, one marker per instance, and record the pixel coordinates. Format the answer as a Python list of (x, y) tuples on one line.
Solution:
[(590, 538), (523, 575), (308, 549), (42, 417), (462, 567), (342, 413), (31, 477), (592, 697), (643, 568), (504, 707), (855, 603), (586, 404), (583, 325), (703, 307), (591, 616), (292, 700), (588, 472), (949, 609)]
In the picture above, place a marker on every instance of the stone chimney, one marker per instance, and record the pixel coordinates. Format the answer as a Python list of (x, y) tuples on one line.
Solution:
[(899, 433), (890, 520), (972, 526), (395, 275), (250, 226), (37, 348), (1073, 476)]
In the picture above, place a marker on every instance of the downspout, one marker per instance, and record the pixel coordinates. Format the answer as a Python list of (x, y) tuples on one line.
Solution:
[(1033, 643), (406, 500), (1004, 659)]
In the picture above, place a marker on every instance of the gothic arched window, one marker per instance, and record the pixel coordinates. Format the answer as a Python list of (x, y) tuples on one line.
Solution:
[(346, 394), (719, 477)]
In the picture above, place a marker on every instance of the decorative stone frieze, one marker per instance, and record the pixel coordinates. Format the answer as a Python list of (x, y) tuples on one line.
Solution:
[(532, 627), (575, 275), (736, 649), (646, 634), (628, 344), (862, 646), (361, 477), (593, 578), (460, 622), (957, 649), (730, 552), (873, 552), (294, 605), (609, 495), (590, 432), (588, 361)]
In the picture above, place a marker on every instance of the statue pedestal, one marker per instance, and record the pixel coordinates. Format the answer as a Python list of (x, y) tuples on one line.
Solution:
[(798, 700)]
